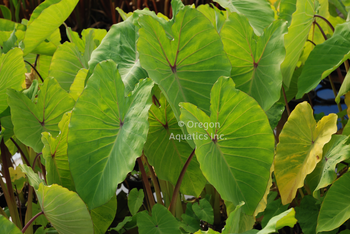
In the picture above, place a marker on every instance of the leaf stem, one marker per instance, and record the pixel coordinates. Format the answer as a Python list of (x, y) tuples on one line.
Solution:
[(10, 198), (155, 182), (324, 19), (20, 151), (42, 80), (146, 183), (285, 100), (31, 221), (178, 183), (34, 161)]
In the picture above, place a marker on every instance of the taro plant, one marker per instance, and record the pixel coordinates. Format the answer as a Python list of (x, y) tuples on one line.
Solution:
[(175, 125)]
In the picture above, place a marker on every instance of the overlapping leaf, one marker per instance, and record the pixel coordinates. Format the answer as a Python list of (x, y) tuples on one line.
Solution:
[(186, 67), (167, 150), (103, 216), (65, 64), (6, 226), (300, 148), (120, 46), (335, 208), (106, 134), (255, 60), (55, 154), (297, 35), (46, 18), (237, 139), (67, 213), (259, 13), (31, 119), (12, 71), (325, 58)]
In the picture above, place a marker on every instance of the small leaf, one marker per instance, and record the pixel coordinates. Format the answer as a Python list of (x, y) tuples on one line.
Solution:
[(300, 148), (121, 224), (161, 221), (307, 213), (272, 209), (344, 88), (333, 214), (233, 221), (78, 84), (204, 211), (6, 13), (135, 200)]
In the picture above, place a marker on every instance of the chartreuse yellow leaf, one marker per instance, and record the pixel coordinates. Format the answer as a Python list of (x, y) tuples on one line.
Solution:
[(300, 148)]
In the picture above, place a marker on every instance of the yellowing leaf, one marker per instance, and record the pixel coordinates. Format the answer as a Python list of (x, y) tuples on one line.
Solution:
[(300, 148)]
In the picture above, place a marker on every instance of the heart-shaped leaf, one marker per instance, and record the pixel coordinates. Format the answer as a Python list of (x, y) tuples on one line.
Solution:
[(31, 119), (300, 148), (236, 138), (107, 132), (255, 60), (135, 200), (186, 67), (161, 221)]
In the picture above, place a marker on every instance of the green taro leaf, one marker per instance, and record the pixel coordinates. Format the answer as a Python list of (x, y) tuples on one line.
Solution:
[(255, 60), (6, 226), (186, 67), (66, 63), (31, 119), (12, 71), (55, 155), (232, 222), (238, 138), (287, 8), (335, 208), (103, 216), (300, 148), (78, 84), (344, 88), (259, 13), (120, 225), (191, 222), (204, 211), (167, 150), (307, 213), (216, 16), (272, 209), (6, 13), (135, 200), (7, 27), (33, 178), (325, 58), (335, 151), (298, 32), (64, 209), (45, 20), (106, 133), (120, 46), (161, 221), (286, 218)]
